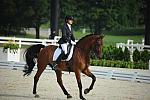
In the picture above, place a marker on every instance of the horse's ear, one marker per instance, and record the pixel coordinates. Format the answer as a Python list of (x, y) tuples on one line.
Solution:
[(102, 36)]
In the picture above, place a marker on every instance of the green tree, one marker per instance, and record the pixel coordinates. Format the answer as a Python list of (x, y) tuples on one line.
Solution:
[(101, 15), (16, 15), (147, 23), (40, 14), (68, 7), (7, 15), (98, 15)]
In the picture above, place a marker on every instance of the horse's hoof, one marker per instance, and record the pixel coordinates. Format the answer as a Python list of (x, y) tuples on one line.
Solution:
[(36, 96), (69, 96), (83, 98), (86, 91)]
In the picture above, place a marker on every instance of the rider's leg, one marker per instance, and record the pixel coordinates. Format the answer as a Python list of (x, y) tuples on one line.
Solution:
[(58, 60), (64, 48)]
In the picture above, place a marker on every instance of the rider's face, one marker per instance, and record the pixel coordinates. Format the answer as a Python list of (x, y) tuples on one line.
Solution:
[(70, 22)]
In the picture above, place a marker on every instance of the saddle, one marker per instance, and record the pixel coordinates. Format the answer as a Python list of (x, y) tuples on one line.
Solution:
[(66, 57)]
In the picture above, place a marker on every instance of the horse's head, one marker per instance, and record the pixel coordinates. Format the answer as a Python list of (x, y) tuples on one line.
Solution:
[(97, 48), (92, 42)]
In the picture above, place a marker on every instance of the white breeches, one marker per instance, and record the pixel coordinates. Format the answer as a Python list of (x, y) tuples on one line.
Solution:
[(64, 47)]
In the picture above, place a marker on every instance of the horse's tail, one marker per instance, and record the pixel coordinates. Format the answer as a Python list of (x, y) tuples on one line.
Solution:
[(30, 54)]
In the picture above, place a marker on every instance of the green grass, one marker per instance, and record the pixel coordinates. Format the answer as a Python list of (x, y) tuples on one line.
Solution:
[(113, 37), (46, 25), (112, 40)]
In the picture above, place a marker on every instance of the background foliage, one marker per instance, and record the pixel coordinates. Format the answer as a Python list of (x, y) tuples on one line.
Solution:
[(115, 57), (96, 15)]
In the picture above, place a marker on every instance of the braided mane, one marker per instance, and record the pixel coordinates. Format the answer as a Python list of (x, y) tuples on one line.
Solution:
[(85, 37)]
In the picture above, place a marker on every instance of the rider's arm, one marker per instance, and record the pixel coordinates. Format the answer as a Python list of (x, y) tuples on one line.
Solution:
[(72, 37), (64, 35)]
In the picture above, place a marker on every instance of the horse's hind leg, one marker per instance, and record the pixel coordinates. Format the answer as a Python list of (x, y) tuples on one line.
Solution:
[(36, 78), (59, 80), (88, 73)]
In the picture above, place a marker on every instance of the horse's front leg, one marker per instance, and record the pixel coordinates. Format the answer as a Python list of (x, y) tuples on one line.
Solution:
[(59, 80), (88, 73), (78, 77)]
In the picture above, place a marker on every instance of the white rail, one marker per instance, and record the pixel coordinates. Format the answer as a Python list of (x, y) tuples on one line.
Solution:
[(132, 46), (24, 41), (123, 75), (29, 41)]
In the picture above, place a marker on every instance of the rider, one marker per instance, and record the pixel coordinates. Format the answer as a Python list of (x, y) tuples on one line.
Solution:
[(66, 39)]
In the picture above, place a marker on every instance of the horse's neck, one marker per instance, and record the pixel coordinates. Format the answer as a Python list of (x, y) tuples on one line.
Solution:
[(83, 48), (86, 43)]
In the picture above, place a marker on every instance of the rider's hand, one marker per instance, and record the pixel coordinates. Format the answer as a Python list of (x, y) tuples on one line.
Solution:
[(72, 42)]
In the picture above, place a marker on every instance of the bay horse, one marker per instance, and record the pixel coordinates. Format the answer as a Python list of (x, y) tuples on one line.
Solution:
[(79, 63)]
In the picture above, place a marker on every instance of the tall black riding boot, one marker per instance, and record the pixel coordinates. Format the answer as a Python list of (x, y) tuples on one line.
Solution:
[(58, 60)]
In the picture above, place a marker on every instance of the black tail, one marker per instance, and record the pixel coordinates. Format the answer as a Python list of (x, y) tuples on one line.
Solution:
[(30, 54)]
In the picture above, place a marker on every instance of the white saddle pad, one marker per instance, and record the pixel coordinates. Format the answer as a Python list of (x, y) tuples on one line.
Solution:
[(58, 52)]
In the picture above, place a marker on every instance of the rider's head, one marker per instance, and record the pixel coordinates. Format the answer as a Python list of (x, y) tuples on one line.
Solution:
[(69, 19)]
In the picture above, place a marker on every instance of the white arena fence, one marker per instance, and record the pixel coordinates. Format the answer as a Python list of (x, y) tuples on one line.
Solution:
[(131, 46), (28, 41), (25, 41)]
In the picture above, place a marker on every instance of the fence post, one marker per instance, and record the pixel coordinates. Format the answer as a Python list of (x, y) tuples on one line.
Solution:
[(110, 74), (149, 64), (131, 56), (14, 39), (117, 45), (44, 41), (130, 47), (19, 43), (135, 76)]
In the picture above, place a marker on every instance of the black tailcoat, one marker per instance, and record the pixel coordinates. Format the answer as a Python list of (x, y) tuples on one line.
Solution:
[(67, 35)]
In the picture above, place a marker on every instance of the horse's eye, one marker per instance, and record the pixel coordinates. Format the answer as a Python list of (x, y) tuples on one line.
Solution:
[(98, 42)]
